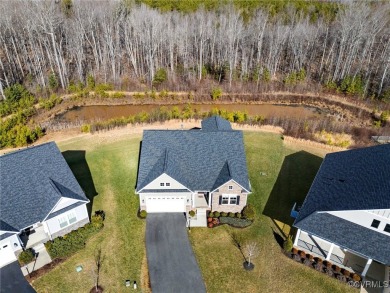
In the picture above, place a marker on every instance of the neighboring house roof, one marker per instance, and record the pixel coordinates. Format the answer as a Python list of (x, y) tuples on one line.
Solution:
[(216, 123), (6, 235), (32, 181), (200, 160), (350, 180), (354, 237)]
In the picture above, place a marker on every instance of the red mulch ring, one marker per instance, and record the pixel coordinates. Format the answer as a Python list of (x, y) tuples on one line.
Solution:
[(99, 289), (45, 269)]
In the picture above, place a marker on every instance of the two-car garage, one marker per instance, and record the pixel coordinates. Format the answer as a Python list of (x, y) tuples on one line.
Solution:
[(165, 204)]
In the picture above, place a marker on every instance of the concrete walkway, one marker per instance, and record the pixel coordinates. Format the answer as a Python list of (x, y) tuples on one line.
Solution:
[(42, 259), (171, 261)]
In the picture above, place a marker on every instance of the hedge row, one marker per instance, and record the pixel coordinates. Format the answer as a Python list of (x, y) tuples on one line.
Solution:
[(75, 240)]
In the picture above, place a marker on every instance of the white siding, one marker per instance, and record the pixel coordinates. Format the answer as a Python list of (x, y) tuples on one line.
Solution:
[(53, 224), (12, 240), (365, 218), (63, 203), (164, 178)]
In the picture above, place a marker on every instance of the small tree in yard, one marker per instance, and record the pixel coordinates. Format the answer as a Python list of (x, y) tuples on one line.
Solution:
[(288, 244), (96, 271), (251, 250)]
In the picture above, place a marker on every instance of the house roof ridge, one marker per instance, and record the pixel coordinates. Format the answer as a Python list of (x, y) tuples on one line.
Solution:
[(13, 152)]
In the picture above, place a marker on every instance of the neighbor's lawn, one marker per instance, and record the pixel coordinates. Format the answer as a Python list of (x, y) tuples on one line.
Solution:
[(289, 174), (109, 169)]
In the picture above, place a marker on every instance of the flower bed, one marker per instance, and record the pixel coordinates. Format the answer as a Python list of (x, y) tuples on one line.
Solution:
[(233, 219), (326, 267)]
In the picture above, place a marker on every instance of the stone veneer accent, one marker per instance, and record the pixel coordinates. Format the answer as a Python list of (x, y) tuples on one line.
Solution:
[(70, 228), (224, 189)]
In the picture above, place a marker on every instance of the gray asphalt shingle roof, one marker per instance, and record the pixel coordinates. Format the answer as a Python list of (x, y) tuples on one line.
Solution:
[(216, 123), (200, 160), (32, 181), (351, 180), (354, 237)]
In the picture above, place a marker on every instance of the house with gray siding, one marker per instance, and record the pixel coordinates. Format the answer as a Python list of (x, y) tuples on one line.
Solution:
[(40, 199), (345, 217), (199, 169)]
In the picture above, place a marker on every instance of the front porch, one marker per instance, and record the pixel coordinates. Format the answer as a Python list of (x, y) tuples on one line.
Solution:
[(370, 270), (34, 236)]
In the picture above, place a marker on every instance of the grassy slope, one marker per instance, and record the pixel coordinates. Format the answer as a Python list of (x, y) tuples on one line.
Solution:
[(112, 168)]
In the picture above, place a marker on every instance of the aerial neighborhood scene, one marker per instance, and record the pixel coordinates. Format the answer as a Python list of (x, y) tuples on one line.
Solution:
[(195, 146)]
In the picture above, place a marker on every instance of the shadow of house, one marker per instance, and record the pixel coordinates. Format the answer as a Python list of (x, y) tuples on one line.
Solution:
[(79, 166), (292, 185)]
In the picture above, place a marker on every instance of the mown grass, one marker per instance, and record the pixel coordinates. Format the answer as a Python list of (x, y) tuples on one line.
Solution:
[(110, 168)]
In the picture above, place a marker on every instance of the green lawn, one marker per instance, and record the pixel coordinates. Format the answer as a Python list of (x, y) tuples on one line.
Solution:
[(107, 172)]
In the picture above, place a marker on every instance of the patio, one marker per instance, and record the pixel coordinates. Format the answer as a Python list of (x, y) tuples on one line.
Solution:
[(34, 237)]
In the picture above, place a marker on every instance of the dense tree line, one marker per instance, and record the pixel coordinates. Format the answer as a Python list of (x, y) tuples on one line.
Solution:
[(60, 43)]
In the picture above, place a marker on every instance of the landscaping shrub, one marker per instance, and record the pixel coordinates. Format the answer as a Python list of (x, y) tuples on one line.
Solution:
[(249, 212), (356, 278), (223, 214), (210, 225), (288, 244), (232, 215), (235, 222), (209, 220), (26, 256), (143, 214), (294, 250), (217, 214), (238, 215), (211, 215), (192, 213), (75, 240), (215, 221)]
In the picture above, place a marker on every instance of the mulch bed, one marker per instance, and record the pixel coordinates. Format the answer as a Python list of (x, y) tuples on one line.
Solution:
[(45, 269)]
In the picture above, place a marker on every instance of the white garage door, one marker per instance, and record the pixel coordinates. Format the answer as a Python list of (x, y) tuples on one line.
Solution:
[(7, 255), (165, 204)]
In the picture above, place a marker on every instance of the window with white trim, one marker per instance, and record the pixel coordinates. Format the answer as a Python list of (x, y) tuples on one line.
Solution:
[(229, 199), (72, 217), (162, 184), (225, 200), (167, 184), (63, 222), (230, 187)]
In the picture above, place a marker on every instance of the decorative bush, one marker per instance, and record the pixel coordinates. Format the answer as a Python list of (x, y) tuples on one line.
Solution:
[(235, 222), (336, 268), (143, 214), (288, 244), (215, 221), (211, 215), (210, 225), (209, 220), (238, 215), (217, 214), (75, 240), (346, 273), (192, 213), (356, 278), (302, 254), (232, 215), (294, 250), (26, 256), (249, 212), (223, 214)]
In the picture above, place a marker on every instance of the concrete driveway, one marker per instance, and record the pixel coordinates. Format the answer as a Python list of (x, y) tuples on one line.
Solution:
[(171, 261)]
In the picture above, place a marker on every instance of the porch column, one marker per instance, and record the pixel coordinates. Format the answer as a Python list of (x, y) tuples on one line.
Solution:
[(386, 289), (369, 261), (330, 252), (297, 237)]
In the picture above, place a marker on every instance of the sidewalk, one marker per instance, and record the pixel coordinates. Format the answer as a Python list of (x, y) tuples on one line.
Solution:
[(42, 259)]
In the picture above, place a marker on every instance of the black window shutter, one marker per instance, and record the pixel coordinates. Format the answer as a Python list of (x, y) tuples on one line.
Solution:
[(220, 199), (238, 199)]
